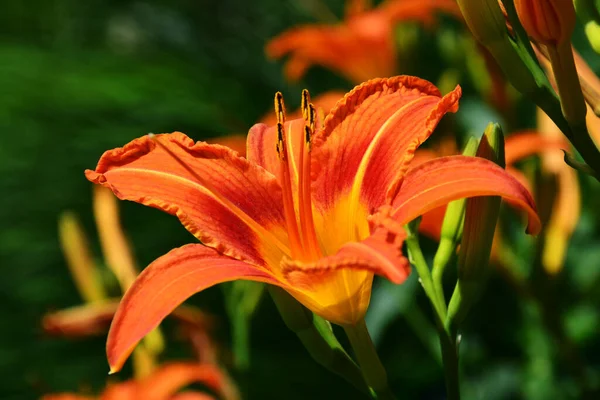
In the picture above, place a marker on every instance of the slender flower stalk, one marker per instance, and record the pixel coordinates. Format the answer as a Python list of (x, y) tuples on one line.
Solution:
[(76, 250), (373, 371)]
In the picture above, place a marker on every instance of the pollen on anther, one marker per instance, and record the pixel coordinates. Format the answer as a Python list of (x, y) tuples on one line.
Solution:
[(307, 137), (305, 103), (280, 144), (312, 114), (279, 108)]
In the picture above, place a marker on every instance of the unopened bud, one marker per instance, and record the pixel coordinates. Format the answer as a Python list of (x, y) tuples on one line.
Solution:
[(485, 20), (481, 215), (548, 22)]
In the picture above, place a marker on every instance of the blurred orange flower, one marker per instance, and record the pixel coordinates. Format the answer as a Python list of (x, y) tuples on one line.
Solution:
[(163, 384), (360, 48)]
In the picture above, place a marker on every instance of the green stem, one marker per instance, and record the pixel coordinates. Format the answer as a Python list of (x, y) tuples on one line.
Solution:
[(418, 261), (441, 260), (370, 364), (241, 341), (567, 82), (447, 337), (450, 360), (317, 337)]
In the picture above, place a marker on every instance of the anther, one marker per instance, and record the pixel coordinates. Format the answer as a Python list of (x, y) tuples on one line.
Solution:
[(280, 142), (312, 116), (279, 108), (307, 137), (305, 104)]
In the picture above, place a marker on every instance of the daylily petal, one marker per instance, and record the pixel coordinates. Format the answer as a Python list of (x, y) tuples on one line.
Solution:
[(121, 391), (262, 151), (84, 320), (165, 284), (167, 380), (338, 287), (66, 396), (431, 222), (234, 142), (366, 145), (371, 54), (227, 202), (444, 179), (192, 396), (527, 143)]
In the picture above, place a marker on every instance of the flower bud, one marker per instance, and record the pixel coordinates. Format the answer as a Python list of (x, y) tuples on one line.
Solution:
[(548, 22), (481, 215), (485, 20)]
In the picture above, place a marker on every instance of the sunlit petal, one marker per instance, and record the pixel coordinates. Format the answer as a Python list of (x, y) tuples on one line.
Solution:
[(226, 202), (165, 284), (338, 287), (442, 180), (366, 145)]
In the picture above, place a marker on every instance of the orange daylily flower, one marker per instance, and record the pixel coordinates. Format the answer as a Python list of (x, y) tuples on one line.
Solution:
[(316, 210), (162, 384), (360, 48)]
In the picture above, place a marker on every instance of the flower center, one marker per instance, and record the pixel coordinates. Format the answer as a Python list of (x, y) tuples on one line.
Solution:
[(300, 223)]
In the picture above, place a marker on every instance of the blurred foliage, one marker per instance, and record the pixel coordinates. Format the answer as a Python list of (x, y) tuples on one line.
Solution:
[(78, 78)]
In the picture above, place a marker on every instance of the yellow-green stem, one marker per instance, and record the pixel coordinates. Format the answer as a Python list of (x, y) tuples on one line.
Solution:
[(368, 360), (567, 80)]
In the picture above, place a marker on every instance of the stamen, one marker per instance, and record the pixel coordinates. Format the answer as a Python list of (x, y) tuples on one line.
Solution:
[(225, 201), (279, 108), (312, 116), (285, 179), (280, 145), (305, 104), (304, 190)]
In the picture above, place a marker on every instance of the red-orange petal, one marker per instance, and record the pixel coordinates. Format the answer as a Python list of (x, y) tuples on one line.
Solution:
[(236, 142), (365, 147), (170, 378), (192, 396), (338, 287), (523, 144), (66, 396), (227, 202), (361, 49), (445, 179), (165, 284), (83, 320), (374, 132)]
